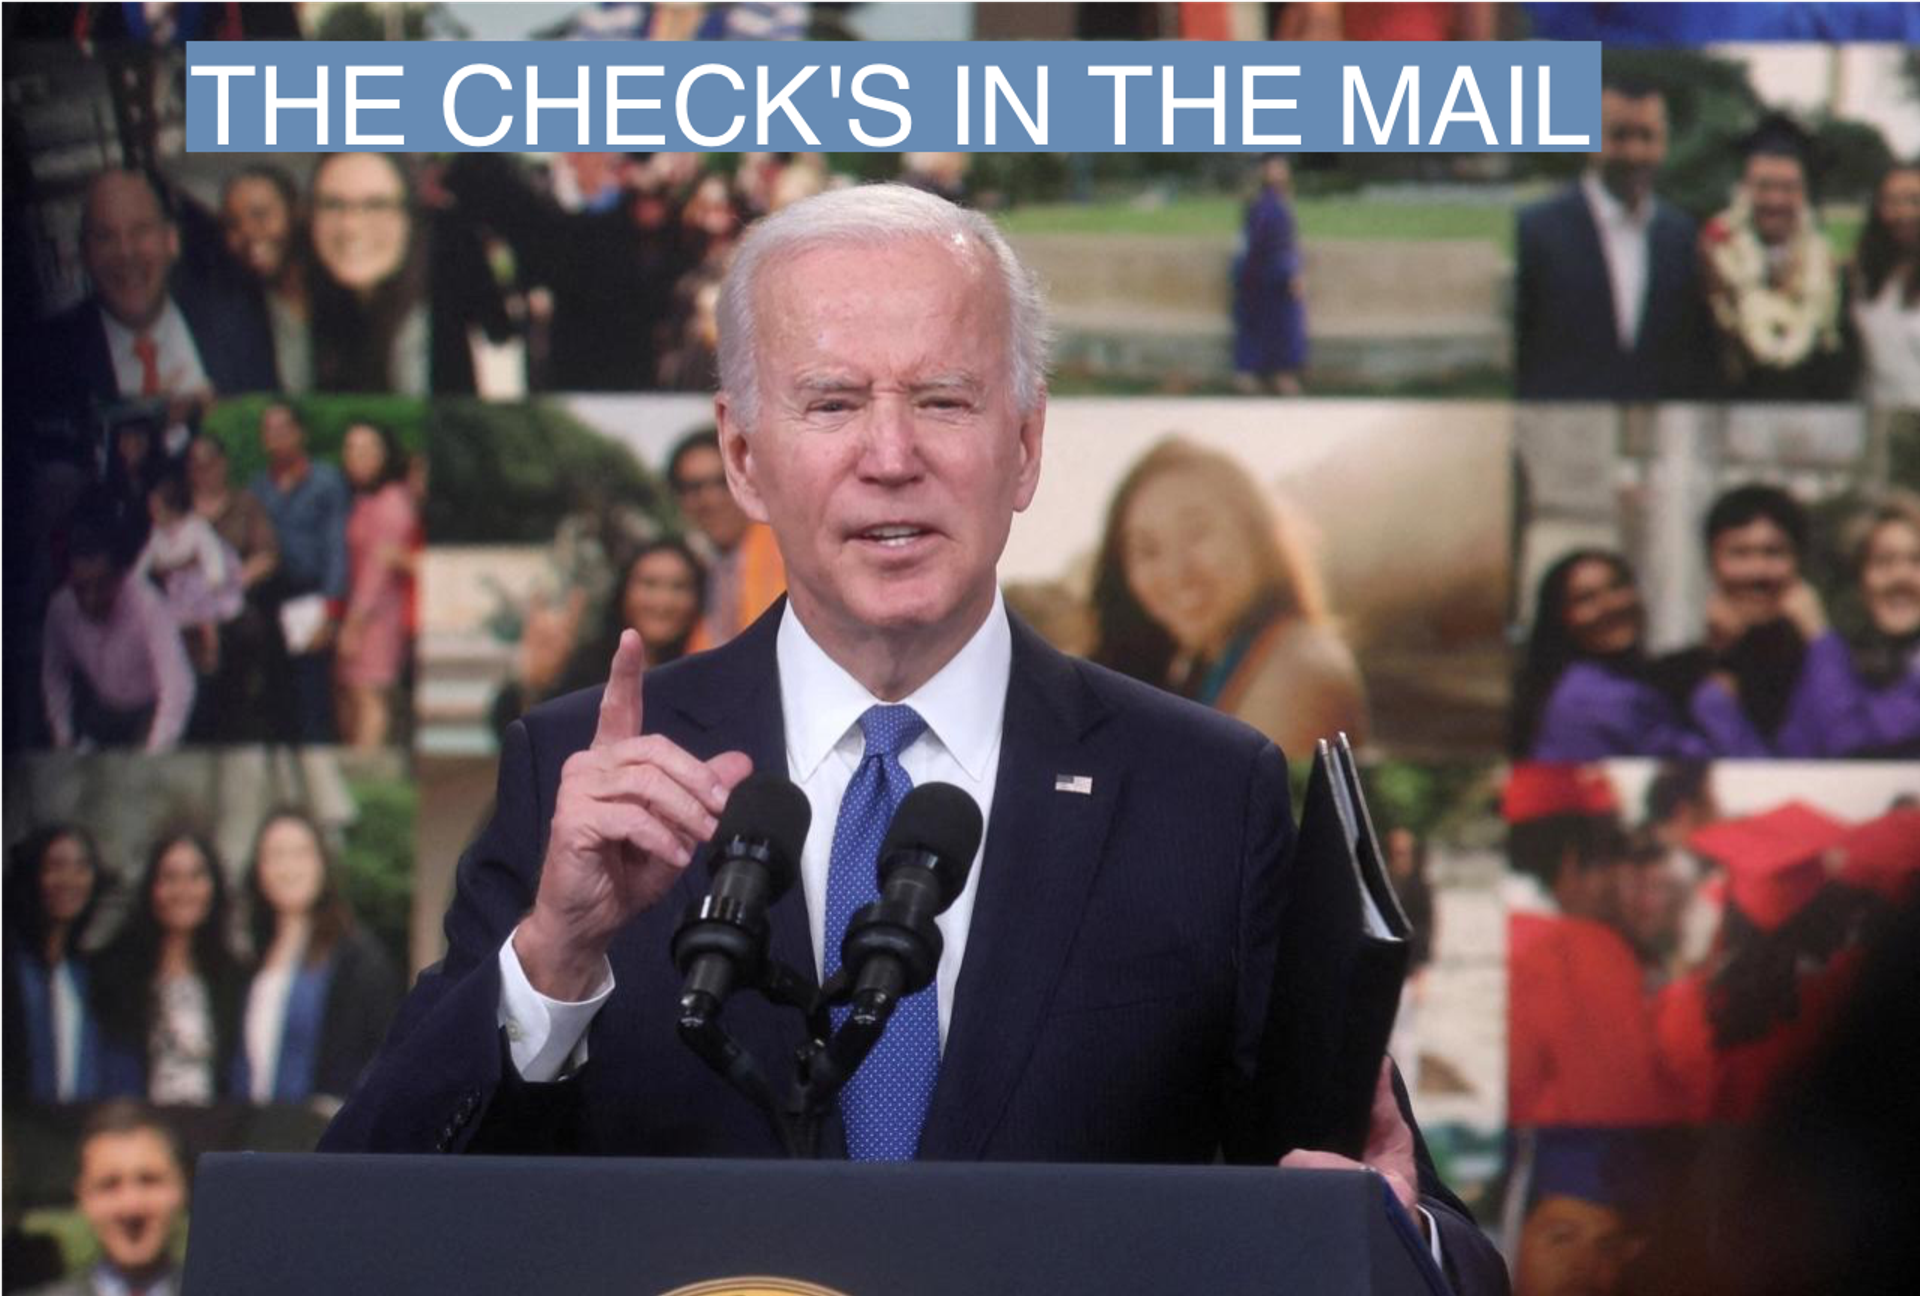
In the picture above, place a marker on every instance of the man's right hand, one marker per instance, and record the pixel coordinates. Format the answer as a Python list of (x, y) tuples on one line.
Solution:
[(629, 813)]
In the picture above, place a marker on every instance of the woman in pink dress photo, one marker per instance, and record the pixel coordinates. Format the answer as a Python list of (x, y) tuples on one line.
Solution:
[(373, 635)]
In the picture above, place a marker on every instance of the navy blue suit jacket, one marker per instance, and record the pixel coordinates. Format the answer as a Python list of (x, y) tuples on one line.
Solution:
[(1111, 1001), (1566, 344), (230, 331)]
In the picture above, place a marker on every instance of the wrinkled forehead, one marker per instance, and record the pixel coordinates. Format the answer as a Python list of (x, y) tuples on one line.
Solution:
[(821, 297), (861, 265)]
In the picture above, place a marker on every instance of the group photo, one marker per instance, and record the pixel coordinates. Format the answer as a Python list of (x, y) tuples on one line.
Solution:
[(1700, 583), (248, 580), (219, 935)]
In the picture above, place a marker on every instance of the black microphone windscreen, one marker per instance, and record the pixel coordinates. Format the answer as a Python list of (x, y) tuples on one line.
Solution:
[(770, 807), (941, 819)]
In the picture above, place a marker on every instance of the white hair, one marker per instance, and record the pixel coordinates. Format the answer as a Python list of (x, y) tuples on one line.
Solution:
[(866, 216)]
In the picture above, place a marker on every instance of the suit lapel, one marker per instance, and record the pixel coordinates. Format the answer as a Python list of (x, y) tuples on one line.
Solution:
[(1670, 254), (1042, 854), (100, 374), (741, 698), (1589, 260)]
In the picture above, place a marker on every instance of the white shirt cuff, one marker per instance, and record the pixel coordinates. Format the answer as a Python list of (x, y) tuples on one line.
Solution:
[(547, 1037)]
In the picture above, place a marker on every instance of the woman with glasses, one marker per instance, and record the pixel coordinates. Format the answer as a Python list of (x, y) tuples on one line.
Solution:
[(369, 300)]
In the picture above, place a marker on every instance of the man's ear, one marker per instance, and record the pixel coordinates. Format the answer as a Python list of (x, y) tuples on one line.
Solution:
[(1032, 434), (738, 458)]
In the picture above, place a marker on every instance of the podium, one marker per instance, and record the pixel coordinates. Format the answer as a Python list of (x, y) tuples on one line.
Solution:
[(477, 1226)]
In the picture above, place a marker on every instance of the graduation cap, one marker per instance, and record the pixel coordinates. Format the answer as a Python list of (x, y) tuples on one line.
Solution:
[(1543, 791), (1883, 855), (1778, 135), (1775, 861), (1606, 1167)]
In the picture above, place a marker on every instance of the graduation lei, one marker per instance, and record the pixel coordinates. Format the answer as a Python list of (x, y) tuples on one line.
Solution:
[(1780, 312)]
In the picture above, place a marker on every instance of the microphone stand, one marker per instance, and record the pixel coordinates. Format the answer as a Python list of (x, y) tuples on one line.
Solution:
[(898, 929), (822, 1066), (830, 1057)]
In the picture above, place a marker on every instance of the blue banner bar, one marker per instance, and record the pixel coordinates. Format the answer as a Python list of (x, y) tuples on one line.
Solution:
[(1063, 96)]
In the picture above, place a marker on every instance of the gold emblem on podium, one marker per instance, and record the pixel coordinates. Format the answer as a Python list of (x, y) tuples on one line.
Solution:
[(756, 1286)]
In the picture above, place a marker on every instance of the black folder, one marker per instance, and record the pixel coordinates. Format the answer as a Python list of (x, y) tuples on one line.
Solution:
[(1342, 958)]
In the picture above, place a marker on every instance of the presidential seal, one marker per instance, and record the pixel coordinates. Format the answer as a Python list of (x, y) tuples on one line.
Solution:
[(756, 1286)]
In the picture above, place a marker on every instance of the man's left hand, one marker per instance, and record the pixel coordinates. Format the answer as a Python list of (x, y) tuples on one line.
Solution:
[(1389, 1150)]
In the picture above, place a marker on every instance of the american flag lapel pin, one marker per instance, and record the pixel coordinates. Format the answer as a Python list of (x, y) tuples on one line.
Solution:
[(1081, 783)]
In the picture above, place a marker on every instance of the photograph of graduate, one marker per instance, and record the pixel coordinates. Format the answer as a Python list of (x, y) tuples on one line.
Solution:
[(218, 936), (252, 583), (1228, 550), (1706, 582), (1742, 233), (1682, 936), (1582, 1206), (209, 929), (1232, 552), (144, 272)]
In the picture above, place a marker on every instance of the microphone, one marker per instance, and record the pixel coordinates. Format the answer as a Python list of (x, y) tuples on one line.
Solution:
[(722, 939), (892, 946)]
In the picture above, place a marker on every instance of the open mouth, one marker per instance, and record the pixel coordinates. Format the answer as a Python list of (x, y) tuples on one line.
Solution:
[(901, 535)]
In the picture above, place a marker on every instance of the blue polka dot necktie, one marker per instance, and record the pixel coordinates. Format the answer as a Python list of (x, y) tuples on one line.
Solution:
[(885, 1102)]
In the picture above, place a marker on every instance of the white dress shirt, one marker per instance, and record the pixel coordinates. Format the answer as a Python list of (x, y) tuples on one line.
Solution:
[(265, 1026), (964, 706), (1624, 242), (69, 1022), (175, 355)]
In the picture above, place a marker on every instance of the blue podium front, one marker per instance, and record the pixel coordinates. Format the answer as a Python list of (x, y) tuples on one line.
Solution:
[(477, 1226)]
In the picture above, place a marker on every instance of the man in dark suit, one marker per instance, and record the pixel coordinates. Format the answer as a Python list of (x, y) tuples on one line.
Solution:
[(145, 332), (1608, 304), (1103, 988)]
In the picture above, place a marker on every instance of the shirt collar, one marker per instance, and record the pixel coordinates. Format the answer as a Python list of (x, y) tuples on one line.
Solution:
[(964, 704), (122, 338), (108, 1281), (1610, 209)]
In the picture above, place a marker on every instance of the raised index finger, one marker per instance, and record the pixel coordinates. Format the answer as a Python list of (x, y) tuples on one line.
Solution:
[(620, 704)]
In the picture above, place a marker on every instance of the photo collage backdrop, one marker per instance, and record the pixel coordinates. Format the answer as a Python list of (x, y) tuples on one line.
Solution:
[(321, 470)]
